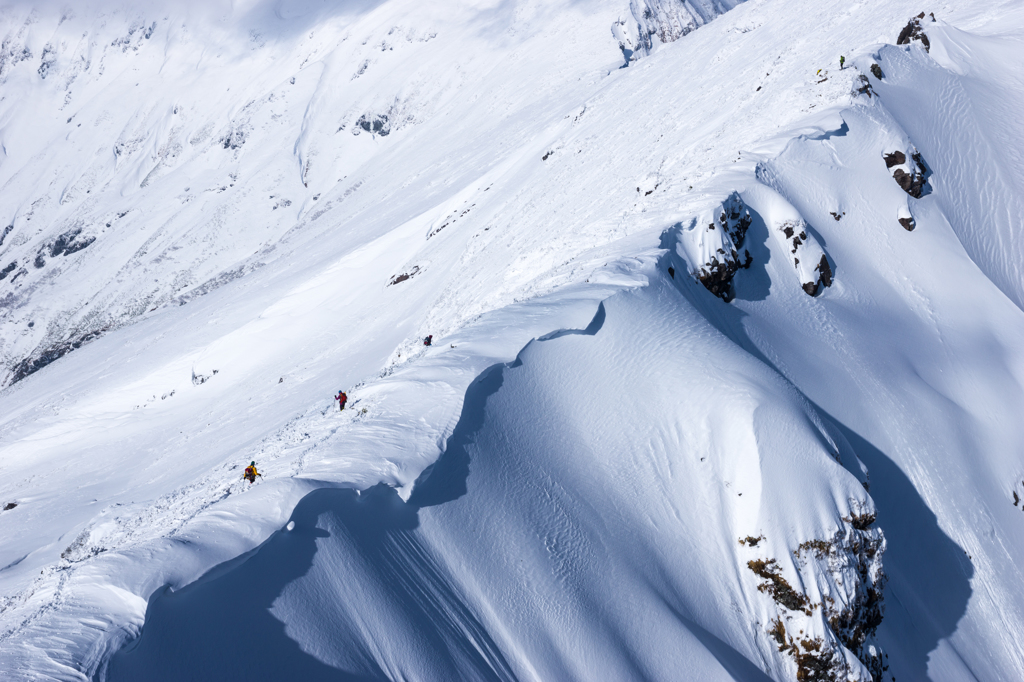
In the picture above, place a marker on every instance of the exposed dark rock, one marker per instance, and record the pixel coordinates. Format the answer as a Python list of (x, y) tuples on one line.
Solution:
[(31, 365), (895, 158), (200, 379), (671, 272), (39, 261), (751, 541), (8, 270), (876, 71), (733, 219), (46, 61), (912, 183), (825, 271), (865, 86), (775, 586), (10, 505), (660, 21), (70, 242), (234, 139), (852, 616), (6, 231), (716, 276), (908, 224), (804, 247), (861, 521), (914, 31), (910, 178), (395, 279), (377, 124)]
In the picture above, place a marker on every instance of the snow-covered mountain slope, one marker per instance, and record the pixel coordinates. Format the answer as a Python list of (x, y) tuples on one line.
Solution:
[(602, 468)]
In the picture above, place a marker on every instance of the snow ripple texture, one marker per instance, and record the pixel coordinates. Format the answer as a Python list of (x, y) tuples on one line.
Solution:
[(714, 390)]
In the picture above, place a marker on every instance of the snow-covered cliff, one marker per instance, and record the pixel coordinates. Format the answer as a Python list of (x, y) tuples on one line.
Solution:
[(725, 374)]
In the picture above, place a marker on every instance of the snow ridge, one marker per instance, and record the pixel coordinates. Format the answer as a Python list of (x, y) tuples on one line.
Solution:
[(698, 397)]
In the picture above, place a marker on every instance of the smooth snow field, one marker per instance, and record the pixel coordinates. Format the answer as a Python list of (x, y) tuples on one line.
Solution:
[(727, 372)]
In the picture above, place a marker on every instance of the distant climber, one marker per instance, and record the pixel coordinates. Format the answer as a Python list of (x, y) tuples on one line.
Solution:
[(251, 473), (842, 61), (427, 341), (342, 398)]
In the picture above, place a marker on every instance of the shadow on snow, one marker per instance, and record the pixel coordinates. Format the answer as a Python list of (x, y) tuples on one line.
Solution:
[(221, 626), (929, 574)]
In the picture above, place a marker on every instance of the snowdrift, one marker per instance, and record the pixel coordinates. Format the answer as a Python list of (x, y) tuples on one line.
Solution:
[(726, 369)]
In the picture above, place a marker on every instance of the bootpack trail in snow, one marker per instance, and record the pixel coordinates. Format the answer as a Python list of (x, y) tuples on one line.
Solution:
[(670, 342)]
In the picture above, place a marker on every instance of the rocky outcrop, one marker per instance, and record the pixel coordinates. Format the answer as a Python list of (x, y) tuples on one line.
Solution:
[(815, 270), (910, 177), (829, 634), (906, 219), (384, 121), (712, 246), (915, 31), (52, 353), (70, 242), (809, 258), (657, 22), (375, 124)]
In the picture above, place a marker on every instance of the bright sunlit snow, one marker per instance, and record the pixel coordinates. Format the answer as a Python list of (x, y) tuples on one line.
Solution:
[(727, 371)]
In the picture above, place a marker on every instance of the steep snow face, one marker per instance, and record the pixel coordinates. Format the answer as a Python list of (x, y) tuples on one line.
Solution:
[(151, 157), (565, 497), (967, 83), (599, 460)]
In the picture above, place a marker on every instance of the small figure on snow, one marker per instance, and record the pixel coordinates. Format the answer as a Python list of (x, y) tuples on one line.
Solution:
[(842, 61), (427, 341), (251, 473), (342, 398)]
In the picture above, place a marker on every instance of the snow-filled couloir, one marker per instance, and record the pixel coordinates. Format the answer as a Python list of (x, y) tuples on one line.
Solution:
[(725, 380)]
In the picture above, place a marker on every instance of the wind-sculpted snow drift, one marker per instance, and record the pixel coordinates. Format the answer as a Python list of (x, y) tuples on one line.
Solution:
[(511, 487), (714, 391)]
